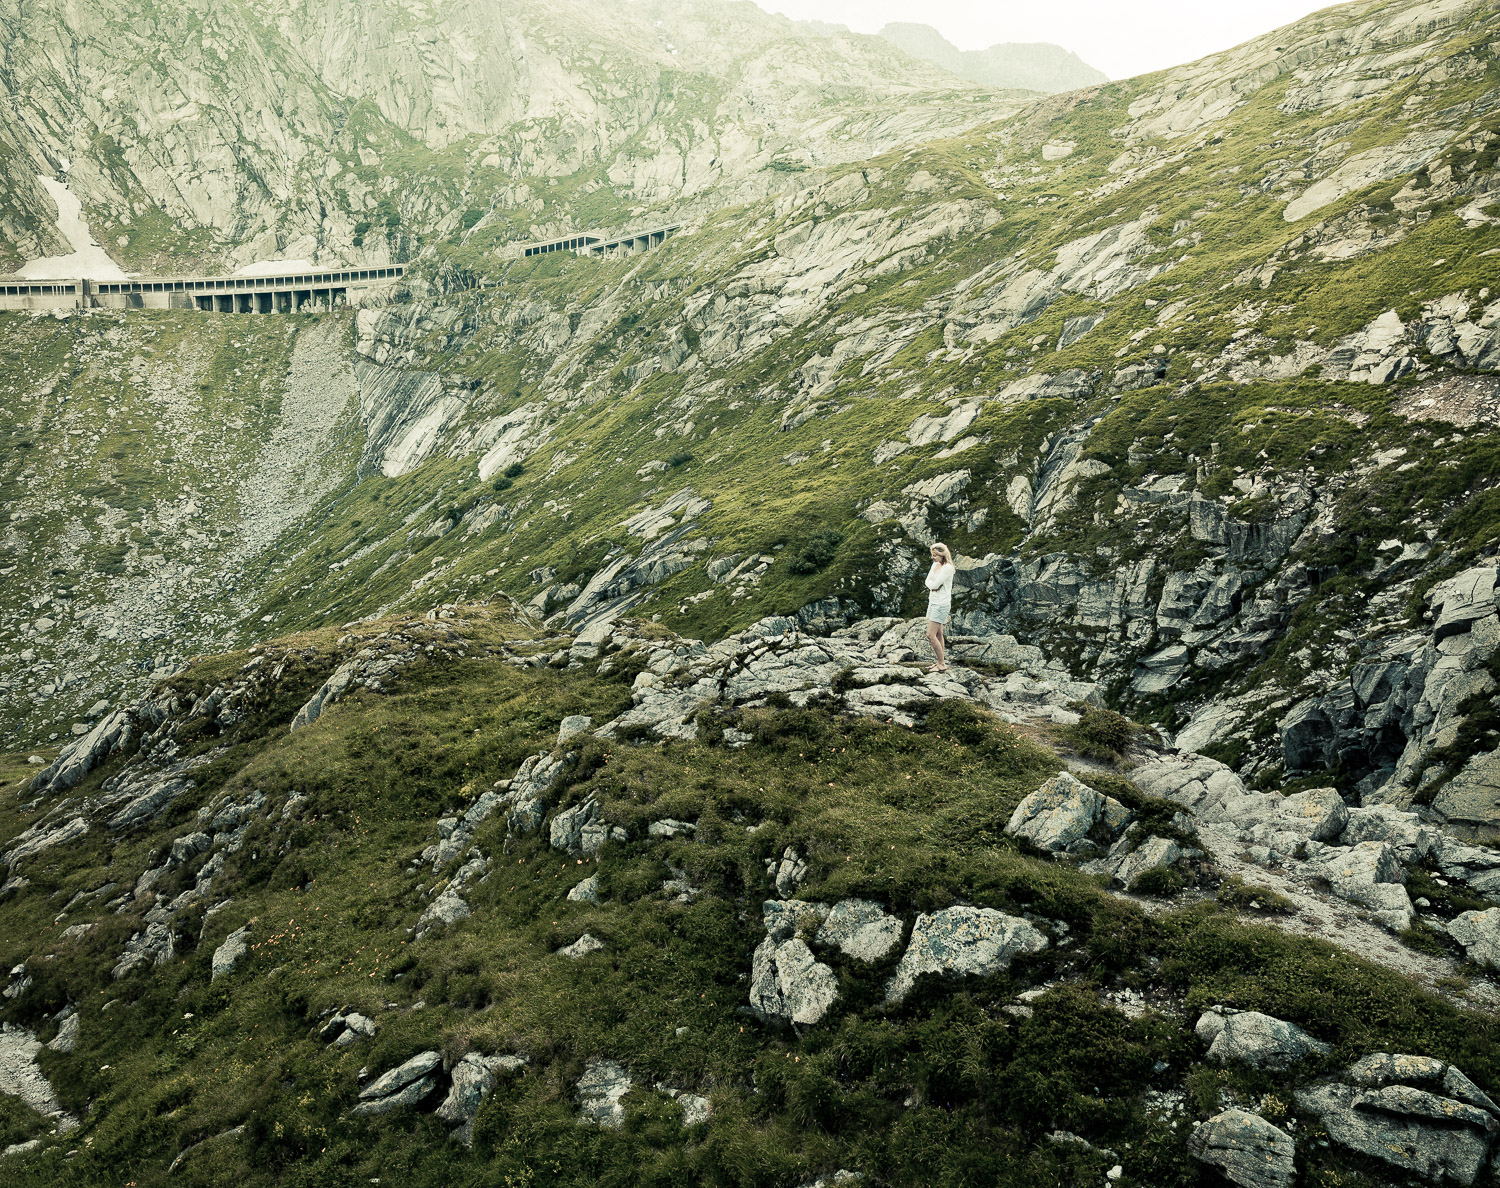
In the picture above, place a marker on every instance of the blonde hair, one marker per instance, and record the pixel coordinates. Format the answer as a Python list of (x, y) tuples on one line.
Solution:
[(947, 555)]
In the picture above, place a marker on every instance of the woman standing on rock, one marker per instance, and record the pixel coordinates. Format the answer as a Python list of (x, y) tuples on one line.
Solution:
[(939, 602)]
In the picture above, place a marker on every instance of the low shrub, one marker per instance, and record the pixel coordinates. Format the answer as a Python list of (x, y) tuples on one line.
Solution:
[(1100, 734)]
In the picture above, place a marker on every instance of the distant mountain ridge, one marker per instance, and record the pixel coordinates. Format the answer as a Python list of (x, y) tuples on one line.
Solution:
[(1033, 66)]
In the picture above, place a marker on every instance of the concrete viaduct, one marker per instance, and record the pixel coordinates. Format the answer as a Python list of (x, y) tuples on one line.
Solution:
[(289, 293), (594, 243)]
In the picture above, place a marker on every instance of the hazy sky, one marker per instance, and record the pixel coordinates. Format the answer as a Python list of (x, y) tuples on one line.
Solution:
[(1121, 39)]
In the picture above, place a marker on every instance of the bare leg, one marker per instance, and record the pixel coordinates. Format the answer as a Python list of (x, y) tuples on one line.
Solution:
[(940, 646)]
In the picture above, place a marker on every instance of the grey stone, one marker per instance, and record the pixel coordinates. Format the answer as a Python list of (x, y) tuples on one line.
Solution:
[(582, 947), (411, 1095), (789, 873), (1479, 934), (695, 1109), (185, 849), (1059, 813), (1462, 600), (407, 1073), (1261, 1041), (1371, 875), (962, 941), (343, 1030), (473, 1078), (1400, 1129), (787, 982), (573, 725), (228, 954), (1152, 854), (21, 1148), (529, 790), (669, 828), (600, 1089), (447, 909), (1385, 1068), (586, 891), (579, 830), (66, 1039), (1319, 814), (861, 929), (1248, 1150), (785, 918)]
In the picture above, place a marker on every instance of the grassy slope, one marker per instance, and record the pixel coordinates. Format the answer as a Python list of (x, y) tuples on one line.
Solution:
[(946, 1089)]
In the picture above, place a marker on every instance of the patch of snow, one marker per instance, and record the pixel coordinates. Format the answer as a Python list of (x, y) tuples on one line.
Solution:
[(274, 268), (87, 259)]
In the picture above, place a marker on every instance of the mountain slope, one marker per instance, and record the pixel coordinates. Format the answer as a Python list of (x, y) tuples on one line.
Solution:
[(1035, 67), (1146, 356), (388, 124), (788, 944)]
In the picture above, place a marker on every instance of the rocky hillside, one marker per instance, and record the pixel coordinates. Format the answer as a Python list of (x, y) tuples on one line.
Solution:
[(1194, 371), (454, 897), (481, 737), (198, 137), (1035, 67)]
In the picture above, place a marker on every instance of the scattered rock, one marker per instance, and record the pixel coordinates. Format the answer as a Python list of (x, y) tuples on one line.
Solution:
[(228, 954), (343, 1030), (1479, 934), (447, 909), (788, 874), (1248, 1150), (66, 1039), (1261, 1041), (600, 1089), (861, 929), (473, 1078), (582, 947), (695, 1109), (573, 725), (405, 1085), (1443, 1130), (586, 891), (961, 941), (1058, 814), (788, 983), (580, 829)]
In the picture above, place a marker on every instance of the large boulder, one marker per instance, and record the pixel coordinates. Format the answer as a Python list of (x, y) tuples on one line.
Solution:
[(959, 941), (1261, 1041), (861, 929), (1369, 874), (405, 1085), (1479, 934), (787, 982), (1416, 1113), (473, 1078), (1248, 1150), (228, 954), (1058, 814)]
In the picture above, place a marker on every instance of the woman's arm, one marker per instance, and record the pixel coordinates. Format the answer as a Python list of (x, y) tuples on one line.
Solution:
[(935, 577)]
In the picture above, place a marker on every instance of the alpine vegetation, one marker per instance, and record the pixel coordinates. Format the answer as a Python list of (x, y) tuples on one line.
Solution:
[(471, 711)]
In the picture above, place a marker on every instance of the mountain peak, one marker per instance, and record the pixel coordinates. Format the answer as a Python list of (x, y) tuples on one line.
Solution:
[(1034, 66)]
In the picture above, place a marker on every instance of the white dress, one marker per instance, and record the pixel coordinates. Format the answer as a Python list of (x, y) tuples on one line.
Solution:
[(940, 596)]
